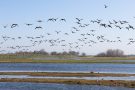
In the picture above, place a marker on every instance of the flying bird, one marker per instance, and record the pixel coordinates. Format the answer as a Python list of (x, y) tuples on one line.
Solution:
[(29, 24), (57, 32), (39, 27), (79, 19), (50, 19), (14, 25), (63, 19), (105, 6), (5, 26), (39, 21)]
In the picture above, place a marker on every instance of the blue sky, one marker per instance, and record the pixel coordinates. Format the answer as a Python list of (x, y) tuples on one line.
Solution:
[(29, 11)]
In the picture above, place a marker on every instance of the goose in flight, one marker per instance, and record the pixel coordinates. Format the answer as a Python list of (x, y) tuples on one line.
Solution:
[(48, 34), (14, 25), (92, 30), (105, 6), (39, 21), (39, 27), (63, 19), (29, 24), (66, 33), (79, 19), (55, 19), (57, 32), (5, 26), (115, 22)]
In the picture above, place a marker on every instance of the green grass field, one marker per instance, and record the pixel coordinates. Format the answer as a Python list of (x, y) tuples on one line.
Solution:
[(30, 58)]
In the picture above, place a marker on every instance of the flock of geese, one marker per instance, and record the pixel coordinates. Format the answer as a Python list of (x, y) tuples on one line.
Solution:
[(85, 36)]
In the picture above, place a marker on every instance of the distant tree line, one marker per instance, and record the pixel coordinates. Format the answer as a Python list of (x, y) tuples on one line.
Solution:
[(111, 53), (43, 52)]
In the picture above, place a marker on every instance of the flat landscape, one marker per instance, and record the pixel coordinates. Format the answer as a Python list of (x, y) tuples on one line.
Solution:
[(39, 77), (67, 45), (64, 59), (72, 76)]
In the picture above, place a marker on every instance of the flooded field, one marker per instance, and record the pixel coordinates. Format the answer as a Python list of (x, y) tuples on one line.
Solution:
[(72, 68), (42, 86), (39, 67), (127, 78)]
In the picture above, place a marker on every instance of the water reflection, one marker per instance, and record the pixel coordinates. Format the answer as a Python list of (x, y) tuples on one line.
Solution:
[(42, 86), (109, 68), (129, 78)]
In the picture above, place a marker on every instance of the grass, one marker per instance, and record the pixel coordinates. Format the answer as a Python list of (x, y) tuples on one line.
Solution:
[(89, 59), (66, 74), (130, 84), (61, 61), (30, 58), (123, 83), (80, 61)]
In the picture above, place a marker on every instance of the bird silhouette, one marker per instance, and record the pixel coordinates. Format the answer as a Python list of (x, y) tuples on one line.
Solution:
[(115, 22), (29, 24), (55, 19), (79, 19), (39, 21), (63, 19), (66, 34), (57, 32), (14, 25), (5, 26), (85, 34), (50, 19), (105, 6), (38, 27)]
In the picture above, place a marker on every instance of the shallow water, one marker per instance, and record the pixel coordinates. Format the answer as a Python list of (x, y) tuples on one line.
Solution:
[(43, 86), (44, 67), (129, 78)]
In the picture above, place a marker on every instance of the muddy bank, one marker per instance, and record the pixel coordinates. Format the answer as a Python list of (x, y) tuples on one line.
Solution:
[(67, 74), (130, 84)]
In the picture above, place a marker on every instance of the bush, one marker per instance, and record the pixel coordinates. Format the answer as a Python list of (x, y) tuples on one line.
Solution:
[(54, 53), (101, 54), (111, 53), (83, 54)]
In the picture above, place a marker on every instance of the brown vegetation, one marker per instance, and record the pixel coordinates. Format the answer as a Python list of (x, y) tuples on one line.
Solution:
[(130, 84), (66, 74)]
